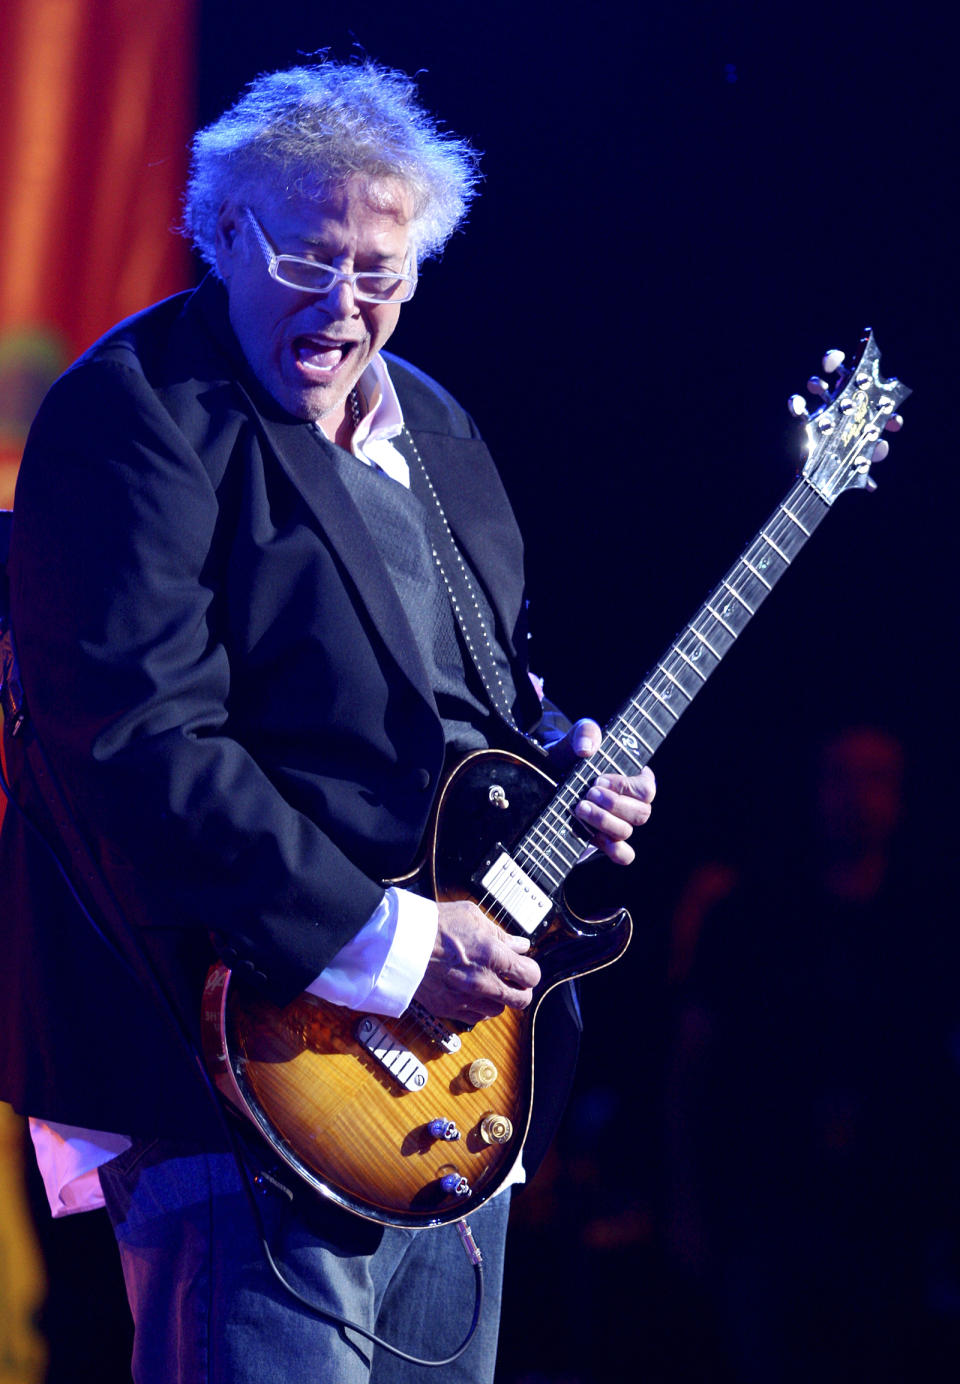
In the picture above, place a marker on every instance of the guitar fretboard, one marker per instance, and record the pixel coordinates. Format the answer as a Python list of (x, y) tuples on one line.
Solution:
[(555, 841)]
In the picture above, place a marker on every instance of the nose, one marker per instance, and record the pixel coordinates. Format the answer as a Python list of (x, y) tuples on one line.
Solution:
[(339, 301)]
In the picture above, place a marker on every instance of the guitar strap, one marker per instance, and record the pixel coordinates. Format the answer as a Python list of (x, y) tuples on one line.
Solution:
[(470, 608)]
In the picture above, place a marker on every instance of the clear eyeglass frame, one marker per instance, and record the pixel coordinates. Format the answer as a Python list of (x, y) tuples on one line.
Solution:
[(311, 276)]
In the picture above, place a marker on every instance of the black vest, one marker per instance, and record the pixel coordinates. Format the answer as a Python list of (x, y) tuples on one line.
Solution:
[(400, 522)]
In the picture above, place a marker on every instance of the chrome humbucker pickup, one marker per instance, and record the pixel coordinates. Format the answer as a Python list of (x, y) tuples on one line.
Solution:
[(515, 891)]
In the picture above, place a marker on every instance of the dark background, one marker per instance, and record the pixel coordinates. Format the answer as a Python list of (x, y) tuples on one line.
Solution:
[(683, 206)]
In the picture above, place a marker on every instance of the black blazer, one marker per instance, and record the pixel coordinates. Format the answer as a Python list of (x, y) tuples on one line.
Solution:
[(225, 685)]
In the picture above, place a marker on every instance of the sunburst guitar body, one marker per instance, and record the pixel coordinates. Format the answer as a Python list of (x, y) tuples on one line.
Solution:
[(412, 1121)]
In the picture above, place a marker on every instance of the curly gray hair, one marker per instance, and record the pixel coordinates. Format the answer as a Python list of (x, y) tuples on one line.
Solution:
[(310, 127)]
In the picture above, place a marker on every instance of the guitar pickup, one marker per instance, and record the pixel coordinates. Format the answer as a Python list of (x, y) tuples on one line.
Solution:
[(515, 891), (406, 1069)]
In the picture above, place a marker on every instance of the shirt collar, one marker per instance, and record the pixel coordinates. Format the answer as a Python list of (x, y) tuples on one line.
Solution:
[(382, 417), (382, 421)]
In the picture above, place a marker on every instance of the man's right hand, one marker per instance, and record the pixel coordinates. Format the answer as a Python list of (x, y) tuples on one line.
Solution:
[(475, 970)]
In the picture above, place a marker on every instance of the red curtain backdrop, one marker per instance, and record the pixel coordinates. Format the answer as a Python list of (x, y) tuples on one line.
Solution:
[(96, 111), (96, 100)]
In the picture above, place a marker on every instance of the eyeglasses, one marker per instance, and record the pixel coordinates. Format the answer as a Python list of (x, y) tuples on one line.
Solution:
[(310, 276)]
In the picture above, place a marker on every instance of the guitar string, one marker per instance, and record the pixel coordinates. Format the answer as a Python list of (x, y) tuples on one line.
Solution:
[(744, 579), (741, 581), (554, 828)]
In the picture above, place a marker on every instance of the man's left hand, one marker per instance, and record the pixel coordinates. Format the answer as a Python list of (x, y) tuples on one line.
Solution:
[(616, 803)]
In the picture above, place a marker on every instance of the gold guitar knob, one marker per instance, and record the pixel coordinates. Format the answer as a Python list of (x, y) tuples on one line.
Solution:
[(481, 1073), (496, 1129)]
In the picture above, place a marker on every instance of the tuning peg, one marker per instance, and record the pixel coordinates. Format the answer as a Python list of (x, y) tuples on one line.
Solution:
[(881, 451), (817, 386), (894, 423), (797, 405), (832, 360)]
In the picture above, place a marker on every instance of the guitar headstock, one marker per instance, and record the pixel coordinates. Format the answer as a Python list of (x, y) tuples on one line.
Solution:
[(844, 434)]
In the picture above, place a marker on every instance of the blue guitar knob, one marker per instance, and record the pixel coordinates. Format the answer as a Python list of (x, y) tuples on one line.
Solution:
[(456, 1185), (443, 1129)]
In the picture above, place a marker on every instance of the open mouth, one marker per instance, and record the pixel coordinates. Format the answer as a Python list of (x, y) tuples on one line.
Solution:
[(320, 357)]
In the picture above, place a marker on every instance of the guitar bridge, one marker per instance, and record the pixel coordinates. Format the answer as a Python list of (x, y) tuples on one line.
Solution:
[(406, 1069)]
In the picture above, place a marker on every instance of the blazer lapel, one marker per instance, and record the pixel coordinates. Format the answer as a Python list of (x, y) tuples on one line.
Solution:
[(300, 454)]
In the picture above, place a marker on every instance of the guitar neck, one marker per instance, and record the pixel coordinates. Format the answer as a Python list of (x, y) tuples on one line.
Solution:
[(554, 843)]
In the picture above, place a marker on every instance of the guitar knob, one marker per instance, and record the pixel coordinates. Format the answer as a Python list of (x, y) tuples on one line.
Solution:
[(455, 1185), (894, 423), (817, 386), (443, 1129), (481, 1073), (496, 1129), (797, 405), (881, 451), (832, 360)]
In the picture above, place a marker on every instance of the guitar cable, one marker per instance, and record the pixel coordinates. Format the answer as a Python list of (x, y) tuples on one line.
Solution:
[(152, 983)]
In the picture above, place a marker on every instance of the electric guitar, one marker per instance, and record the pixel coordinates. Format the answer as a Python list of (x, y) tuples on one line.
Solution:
[(417, 1122)]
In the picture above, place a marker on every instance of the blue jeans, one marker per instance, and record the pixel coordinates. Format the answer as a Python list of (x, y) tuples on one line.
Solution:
[(208, 1309)]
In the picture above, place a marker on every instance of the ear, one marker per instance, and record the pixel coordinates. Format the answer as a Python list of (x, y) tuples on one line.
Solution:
[(229, 227)]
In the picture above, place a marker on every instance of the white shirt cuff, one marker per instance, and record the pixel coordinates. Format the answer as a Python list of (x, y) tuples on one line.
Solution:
[(380, 969), (68, 1159)]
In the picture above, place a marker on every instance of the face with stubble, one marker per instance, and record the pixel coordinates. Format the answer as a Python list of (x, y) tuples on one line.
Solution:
[(309, 349)]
